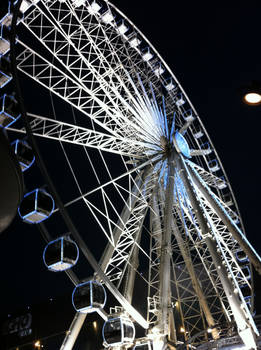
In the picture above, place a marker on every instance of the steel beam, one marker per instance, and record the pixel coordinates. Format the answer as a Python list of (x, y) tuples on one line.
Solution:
[(194, 280), (163, 316), (227, 220), (73, 332), (207, 234)]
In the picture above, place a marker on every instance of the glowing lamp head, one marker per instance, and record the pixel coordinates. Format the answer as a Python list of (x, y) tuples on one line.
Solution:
[(252, 98), (37, 344), (251, 93)]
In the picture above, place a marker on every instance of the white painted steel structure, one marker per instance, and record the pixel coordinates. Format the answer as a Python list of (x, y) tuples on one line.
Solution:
[(164, 209)]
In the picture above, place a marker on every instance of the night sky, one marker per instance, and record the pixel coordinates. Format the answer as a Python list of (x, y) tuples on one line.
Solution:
[(213, 50)]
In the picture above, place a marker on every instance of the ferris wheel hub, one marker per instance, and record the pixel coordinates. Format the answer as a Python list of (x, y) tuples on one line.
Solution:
[(166, 146), (181, 144)]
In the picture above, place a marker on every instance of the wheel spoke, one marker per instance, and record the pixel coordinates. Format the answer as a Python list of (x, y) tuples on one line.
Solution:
[(65, 132)]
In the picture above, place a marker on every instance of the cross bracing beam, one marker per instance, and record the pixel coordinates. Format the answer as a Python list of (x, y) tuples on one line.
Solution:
[(188, 224), (209, 178), (65, 132)]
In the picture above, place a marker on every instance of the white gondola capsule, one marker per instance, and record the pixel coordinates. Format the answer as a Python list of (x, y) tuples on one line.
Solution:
[(4, 40), (107, 17), (24, 154), (146, 54), (134, 40), (188, 115), (228, 199), (213, 165), (88, 297), (245, 290), (61, 254), (36, 206), (94, 8), (122, 27), (118, 331), (26, 4), (241, 256), (246, 271), (4, 46), (198, 133), (5, 71), (180, 100), (170, 84), (9, 111), (7, 19), (159, 70), (5, 33), (221, 184), (78, 3)]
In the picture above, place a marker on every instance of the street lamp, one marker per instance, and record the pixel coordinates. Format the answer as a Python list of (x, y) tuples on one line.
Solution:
[(251, 94), (252, 98), (37, 344)]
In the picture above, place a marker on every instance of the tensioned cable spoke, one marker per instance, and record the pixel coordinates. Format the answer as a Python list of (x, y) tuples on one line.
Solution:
[(139, 167)]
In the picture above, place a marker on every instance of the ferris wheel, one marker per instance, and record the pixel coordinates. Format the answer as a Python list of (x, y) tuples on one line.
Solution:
[(131, 174)]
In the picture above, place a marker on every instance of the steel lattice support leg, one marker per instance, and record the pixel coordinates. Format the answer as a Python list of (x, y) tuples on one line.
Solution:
[(195, 283), (74, 331), (244, 329), (233, 229), (165, 254)]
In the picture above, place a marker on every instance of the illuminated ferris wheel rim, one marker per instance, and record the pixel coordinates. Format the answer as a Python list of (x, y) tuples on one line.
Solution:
[(179, 87), (176, 82), (217, 163)]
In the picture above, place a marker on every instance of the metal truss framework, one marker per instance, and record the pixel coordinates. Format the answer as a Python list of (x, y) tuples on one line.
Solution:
[(168, 218)]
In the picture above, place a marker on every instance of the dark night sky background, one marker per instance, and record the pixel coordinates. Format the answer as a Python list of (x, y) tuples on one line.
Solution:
[(213, 49)]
